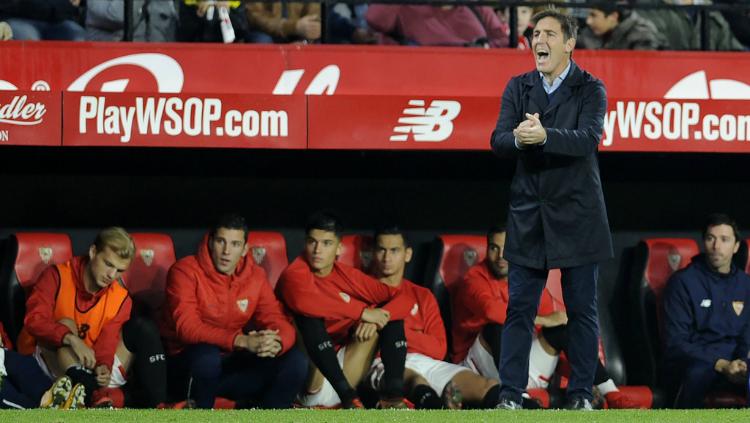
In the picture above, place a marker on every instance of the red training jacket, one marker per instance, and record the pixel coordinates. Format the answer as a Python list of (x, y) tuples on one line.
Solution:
[(425, 332), (478, 300), (339, 298), (40, 322), (205, 306)]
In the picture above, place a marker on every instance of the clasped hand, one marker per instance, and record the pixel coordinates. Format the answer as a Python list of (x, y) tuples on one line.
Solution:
[(530, 131)]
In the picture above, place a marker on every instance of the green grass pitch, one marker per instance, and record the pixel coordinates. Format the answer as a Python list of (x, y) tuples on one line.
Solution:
[(367, 416)]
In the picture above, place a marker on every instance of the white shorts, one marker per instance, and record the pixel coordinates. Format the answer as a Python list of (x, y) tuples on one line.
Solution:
[(436, 372), (116, 379), (326, 395), (541, 364)]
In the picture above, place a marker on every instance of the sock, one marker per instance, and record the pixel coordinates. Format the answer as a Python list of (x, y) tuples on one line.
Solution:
[(601, 375), (607, 387), (557, 337), (320, 350), (392, 342), (79, 374), (493, 334), (141, 337), (424, 397), (491, 398)]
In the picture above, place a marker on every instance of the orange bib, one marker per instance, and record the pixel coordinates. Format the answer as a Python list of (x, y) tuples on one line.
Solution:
[(89, 322)]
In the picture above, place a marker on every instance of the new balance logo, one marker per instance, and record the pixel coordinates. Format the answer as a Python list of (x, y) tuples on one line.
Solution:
[(431, 124)]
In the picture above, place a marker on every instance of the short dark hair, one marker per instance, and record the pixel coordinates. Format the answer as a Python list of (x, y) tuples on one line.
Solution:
[(230, 221), (325, 221), (493, 230), (568, 23), (610, 7), (391, 229), (716, 219)]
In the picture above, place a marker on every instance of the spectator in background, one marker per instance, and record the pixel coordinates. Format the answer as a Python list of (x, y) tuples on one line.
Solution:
[(706, 325), (284, 22), (681, 27), (473, 26), (739, 20), (152, 21), (611, 26), (200, 22), (523, 19), (347, 25), (6, 33), (35, 20)]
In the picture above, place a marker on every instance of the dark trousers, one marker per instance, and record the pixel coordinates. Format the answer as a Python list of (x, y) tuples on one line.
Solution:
[(240, 376), (525, 287), (694, 380), (25, 383)]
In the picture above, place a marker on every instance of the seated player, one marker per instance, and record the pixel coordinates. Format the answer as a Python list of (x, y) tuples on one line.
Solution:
[(329, 300), (75, 318), (430, 382), (479, 311), (226, 333)]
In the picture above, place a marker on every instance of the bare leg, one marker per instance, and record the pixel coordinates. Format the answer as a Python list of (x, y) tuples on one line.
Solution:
[(64, 357), (549, 349), (358, 359)]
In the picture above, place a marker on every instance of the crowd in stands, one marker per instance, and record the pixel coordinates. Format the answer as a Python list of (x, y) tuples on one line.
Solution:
[(606, 25)]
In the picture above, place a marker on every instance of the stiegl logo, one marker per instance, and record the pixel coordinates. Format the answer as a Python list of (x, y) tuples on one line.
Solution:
[(676, 119), (431, 124)]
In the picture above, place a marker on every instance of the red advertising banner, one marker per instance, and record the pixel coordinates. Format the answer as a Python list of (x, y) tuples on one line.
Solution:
[(716, 81), (677, 125), (30, 118), (182, 120), (397, 122)]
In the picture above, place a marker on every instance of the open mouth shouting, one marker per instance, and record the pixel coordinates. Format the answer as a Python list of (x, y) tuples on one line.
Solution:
[(542, 55)]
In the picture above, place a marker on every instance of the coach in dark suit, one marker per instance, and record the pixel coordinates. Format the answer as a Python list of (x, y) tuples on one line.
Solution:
[(551, 121)]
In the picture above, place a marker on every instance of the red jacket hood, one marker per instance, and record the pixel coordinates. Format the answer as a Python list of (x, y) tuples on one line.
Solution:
[(245, 267)]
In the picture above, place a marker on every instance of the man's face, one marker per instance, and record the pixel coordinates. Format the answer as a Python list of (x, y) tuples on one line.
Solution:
[(600, 23), (551, 51), (227, 247), (495, 247), (321, 249), (391, 255), (106, 266), (720, 246)]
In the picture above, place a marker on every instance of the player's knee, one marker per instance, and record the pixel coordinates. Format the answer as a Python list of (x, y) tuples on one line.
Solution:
[(205, 362), (698, 373)]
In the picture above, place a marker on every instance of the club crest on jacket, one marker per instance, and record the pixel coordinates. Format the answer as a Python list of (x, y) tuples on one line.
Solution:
[(242, 304)]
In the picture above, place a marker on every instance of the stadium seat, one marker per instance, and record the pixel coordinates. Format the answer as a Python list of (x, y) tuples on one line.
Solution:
[(654, 261), (269, 251), (147, 276), (26, 255), (451, 256), (356, 251)]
